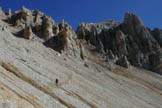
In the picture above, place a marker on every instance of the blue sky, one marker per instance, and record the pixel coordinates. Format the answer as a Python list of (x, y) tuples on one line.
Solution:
[(77, 11)]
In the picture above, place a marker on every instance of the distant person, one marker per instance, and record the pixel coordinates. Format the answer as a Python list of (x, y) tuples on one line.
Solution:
[(56, 81)]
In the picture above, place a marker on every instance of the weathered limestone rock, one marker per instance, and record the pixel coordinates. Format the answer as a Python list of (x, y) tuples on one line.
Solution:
[(156, 62), (24, 16), (60, 37), (120, 43), (144, 43), (157, 33), (130, 39), (47, 26), (55, 29), (37, 17), (37, 30), (65, 41), (59, 42), (27, 33)]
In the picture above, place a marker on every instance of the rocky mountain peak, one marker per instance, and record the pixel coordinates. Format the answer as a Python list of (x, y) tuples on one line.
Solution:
[(132, 19)]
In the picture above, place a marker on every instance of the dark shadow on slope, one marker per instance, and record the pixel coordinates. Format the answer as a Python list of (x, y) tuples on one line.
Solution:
[(55, 43), (18, 34)]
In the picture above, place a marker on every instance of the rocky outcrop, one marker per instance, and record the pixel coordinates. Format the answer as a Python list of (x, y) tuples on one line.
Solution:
[(59, 37), (141, 43), (91, 33), (21, 18), (130, 39), (41, 24), (65, 41), (27, 33), (59, 42), (47, 28)]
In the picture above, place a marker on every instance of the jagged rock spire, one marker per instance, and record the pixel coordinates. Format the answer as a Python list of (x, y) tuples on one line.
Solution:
[(130, 18)]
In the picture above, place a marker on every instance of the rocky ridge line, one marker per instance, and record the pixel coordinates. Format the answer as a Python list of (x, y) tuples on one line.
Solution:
[(127, 43)]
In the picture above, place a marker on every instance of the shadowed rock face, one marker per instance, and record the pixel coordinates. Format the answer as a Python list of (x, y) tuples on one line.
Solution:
[(141, 44), (58, 42), (157, 33), (130, 39)]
